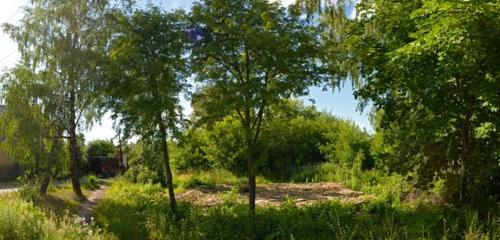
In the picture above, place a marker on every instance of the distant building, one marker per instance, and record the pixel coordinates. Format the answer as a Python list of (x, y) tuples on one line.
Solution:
[(9, 169)]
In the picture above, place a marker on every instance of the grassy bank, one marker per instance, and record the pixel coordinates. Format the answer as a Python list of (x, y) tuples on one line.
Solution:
[(20, 219)]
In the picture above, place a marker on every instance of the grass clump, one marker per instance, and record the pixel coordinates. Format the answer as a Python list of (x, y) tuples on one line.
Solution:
[(90, 182), (392, 187), (210, 178), (20, 219)]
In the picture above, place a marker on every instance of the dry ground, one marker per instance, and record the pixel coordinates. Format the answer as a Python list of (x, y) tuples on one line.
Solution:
[(275, 194)]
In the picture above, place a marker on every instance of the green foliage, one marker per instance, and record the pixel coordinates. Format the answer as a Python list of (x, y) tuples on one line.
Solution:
[(23, 220), (29, 188), (28, 124), (389, 187), (146, 74), (144, 207), (100, 148), (144, 163), (292, 137), (90, 182), (129, 209), (145, 78), (431, 69), (249, 55), (195, 181), (211, 178), (62, 45), (141, 174), (348, 145)]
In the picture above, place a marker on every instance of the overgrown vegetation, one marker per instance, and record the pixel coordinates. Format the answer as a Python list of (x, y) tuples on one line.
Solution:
[(430, 69), (24, 220), (144, 207), (294, 136)]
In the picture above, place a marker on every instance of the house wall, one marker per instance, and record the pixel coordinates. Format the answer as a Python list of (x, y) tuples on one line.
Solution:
[(9, 169)]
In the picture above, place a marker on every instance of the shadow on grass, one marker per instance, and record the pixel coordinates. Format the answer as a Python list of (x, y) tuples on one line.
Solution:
[(331, 220)]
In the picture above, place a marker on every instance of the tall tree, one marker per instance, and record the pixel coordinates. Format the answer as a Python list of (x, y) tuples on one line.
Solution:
[(250, 54), (147, 73), (67, 39), (432, 69)]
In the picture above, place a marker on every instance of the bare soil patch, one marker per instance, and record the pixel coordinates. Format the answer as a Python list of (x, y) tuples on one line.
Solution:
[(276, 194)]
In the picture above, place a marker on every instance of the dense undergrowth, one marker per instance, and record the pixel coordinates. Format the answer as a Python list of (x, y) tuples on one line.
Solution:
[(145, 207), (20, 219), (26, 215)]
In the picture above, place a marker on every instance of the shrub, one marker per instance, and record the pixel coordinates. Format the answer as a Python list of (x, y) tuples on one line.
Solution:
[(90, 182), (141, 174)]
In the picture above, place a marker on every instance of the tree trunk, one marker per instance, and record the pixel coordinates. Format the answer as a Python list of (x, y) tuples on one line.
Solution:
[(54, 151), (251, 177), (251, 183), (467, 190), (73, 148), (166, 161), (74, 164)]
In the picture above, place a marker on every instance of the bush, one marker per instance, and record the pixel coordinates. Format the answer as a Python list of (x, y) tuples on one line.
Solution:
[(141, 174), (90, 182), (293, 136), (129, 210), (100, 148), (144, 163)]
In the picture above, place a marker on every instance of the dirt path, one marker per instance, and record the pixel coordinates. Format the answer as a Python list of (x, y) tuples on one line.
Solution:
[(276, 194), (86, 209)]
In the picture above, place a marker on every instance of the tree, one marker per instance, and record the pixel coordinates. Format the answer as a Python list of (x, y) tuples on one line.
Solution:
[(28, 125), (432, 68), (66, 40), (250, 54), (100, 148), (146, 73)]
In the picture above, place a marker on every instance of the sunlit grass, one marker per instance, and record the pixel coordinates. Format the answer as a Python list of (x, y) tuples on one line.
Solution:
[(145, 206), (20, 219), (186, 179)]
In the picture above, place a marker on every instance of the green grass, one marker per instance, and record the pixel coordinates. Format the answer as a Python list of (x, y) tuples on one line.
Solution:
[(391, 187), (146, 208), (61, 200), (24, 220), (210, 178)]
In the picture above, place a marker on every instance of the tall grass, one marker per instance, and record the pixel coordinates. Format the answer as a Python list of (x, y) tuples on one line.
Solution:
[(188, 179), (23, 220), (391, 187), (135, 211)]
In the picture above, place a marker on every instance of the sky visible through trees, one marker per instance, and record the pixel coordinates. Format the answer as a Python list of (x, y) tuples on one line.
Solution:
[(341, 103)]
